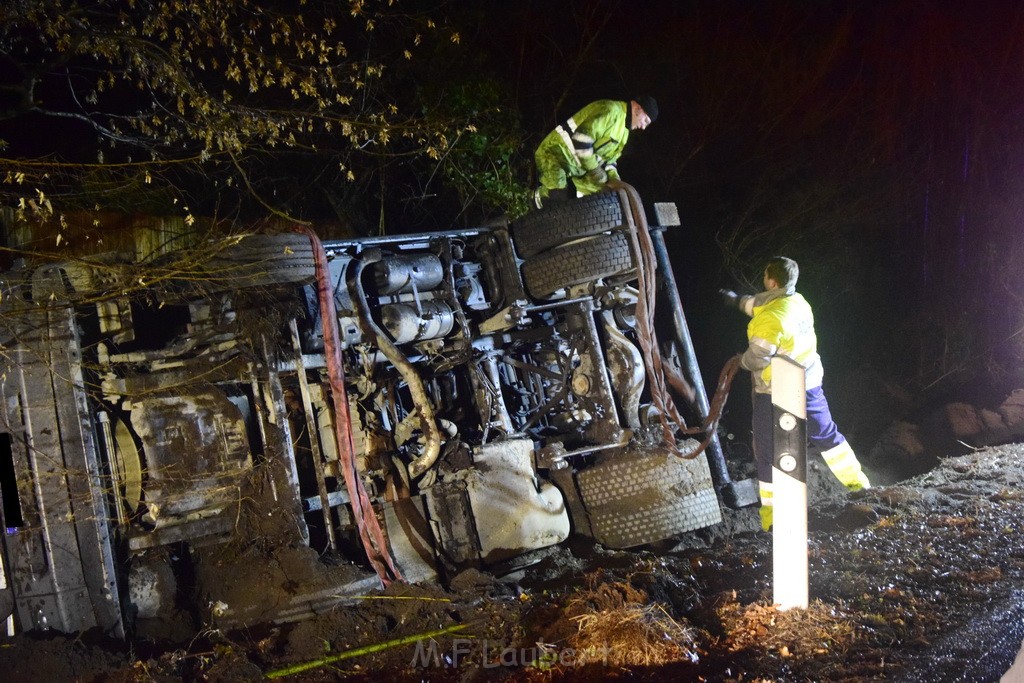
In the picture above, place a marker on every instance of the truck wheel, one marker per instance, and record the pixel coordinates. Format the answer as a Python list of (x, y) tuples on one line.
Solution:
[(566, 221), (586, 260), (263, 260), (635, 499)]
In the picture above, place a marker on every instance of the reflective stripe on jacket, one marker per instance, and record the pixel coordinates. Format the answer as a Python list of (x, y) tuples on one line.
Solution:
[(782, 324)]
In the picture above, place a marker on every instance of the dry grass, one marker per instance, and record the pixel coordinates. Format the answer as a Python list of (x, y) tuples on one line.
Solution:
[(819, 629), (941, 521), (617, 625)]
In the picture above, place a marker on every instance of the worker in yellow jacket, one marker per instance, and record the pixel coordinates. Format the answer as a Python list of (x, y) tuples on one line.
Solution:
[(585, 147), (782, 323)]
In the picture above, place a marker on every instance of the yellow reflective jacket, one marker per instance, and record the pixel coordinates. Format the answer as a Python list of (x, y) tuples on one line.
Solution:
[(782, 324)]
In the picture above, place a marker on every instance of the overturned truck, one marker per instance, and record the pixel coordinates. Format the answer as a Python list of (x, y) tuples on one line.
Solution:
[(406, 406)]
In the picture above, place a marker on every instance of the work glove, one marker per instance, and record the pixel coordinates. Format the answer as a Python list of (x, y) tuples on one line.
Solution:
[(729, 298), (598, 176), (539, 195), (543, 196)]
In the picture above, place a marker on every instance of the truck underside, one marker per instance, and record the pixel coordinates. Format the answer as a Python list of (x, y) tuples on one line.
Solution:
[(398, 408)]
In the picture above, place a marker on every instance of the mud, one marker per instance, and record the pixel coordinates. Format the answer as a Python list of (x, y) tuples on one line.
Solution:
[(921, 580)]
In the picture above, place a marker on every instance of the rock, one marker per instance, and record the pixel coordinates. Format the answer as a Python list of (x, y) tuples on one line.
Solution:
[(856, 516), (992, 420), (963, 420), (904, 436), (1012, 408), (899, 453)]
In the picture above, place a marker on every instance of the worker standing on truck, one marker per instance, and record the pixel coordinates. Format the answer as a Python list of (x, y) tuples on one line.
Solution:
[(782, 323), (585, 147)]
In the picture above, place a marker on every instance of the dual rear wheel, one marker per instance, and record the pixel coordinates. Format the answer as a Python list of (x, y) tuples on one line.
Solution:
[(573, 243)]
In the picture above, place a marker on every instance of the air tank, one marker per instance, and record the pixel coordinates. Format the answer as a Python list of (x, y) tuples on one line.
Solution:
[(406, 324), (405, 272)]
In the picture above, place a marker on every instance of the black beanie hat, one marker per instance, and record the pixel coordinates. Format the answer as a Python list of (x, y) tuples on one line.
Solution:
[(649, 105)]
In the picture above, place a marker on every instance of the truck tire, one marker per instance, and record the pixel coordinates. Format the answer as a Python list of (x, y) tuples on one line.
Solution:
[(627, 476), (633, 499), (262, 260), (578, 262), (626, 526), (563, 222)]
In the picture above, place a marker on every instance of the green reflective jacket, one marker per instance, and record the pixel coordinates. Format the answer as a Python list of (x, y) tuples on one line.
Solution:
[(606, 122)]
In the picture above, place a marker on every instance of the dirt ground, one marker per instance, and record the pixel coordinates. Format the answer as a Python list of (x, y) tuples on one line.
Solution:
[(920, 580)]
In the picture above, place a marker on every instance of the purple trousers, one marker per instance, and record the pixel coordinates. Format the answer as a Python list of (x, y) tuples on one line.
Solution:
[(821, 430)]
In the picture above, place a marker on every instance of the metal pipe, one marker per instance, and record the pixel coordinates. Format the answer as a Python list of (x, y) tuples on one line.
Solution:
[(432, 447)]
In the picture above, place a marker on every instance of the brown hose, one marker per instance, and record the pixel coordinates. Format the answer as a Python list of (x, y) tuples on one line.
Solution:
[(658, 371), (710, 426), (646, 335)]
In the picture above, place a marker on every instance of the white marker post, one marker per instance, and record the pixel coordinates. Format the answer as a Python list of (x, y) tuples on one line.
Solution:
[(789, 476)]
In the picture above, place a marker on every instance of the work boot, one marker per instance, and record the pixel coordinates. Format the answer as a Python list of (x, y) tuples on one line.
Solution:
[(844, 465), (861, 483)]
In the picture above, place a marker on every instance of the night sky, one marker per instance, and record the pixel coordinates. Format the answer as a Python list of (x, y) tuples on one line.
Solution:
[(878, 143)]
